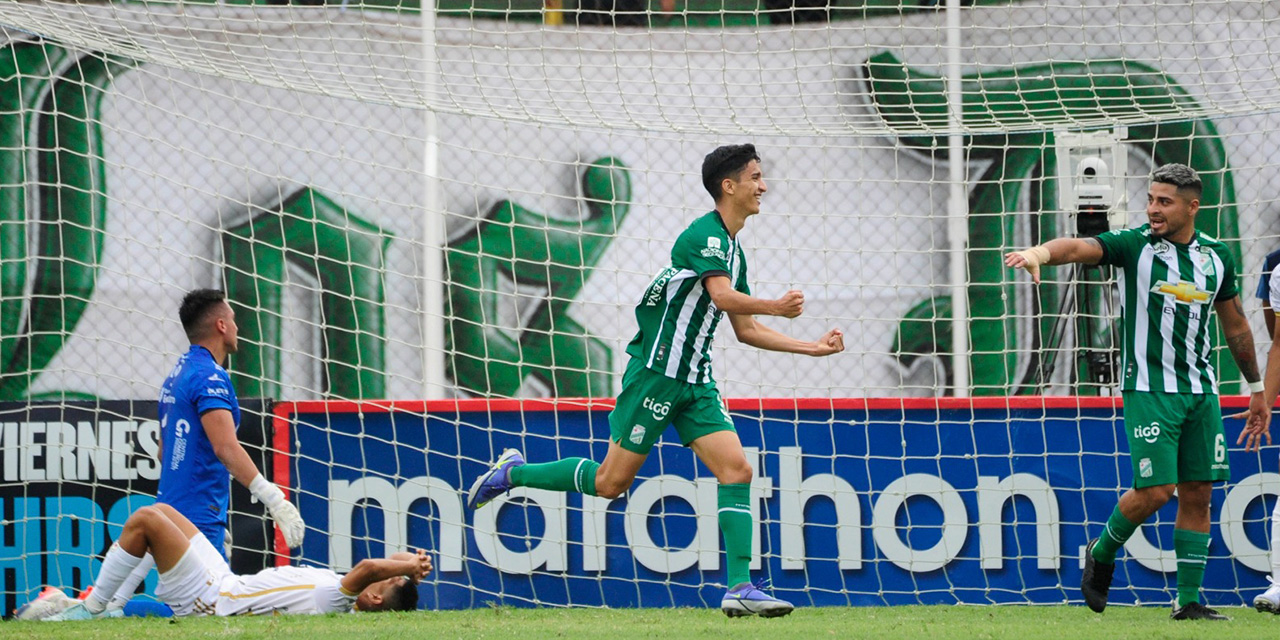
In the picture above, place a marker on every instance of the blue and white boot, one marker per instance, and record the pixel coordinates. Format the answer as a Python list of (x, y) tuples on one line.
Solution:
[(746, 599), (77, 611), (494, 482)]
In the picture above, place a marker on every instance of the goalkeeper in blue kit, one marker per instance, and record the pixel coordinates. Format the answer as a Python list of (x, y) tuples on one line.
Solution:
[(668, 379), (199, 452)]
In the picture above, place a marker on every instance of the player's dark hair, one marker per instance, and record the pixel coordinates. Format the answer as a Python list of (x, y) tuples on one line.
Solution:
[(1181, 176), (196, 307), (401, 597), (724, 162)]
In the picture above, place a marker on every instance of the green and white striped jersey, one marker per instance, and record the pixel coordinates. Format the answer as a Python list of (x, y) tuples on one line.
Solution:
[(1168, 292), (676, 317)]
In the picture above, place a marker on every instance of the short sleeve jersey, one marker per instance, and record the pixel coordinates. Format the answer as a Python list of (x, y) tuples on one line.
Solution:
[(286, 590), (676, 316), (1264, 282), (1168, 291), (192, 478)]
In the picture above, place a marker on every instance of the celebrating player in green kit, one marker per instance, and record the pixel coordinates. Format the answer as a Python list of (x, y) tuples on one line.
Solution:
[(668, 379), (1170, 275)]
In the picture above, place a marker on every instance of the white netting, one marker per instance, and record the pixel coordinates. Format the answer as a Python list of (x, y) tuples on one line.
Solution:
[(463, 207)]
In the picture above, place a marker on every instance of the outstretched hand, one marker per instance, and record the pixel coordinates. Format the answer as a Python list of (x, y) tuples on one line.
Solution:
[(1029, 259), (1257, 425)]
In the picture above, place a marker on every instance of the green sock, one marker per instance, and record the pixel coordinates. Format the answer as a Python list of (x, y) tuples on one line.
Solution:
[(736, 524), (570, 474), (1118, 530), (1191, 549)]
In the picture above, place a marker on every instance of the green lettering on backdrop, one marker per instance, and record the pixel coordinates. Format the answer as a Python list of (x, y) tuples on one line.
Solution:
[(1036, 98), (545, 261), (71, 202), (345, 254)]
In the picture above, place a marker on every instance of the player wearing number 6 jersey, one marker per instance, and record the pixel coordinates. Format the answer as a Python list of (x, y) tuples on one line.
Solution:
[(1171, 277), (668, 380)]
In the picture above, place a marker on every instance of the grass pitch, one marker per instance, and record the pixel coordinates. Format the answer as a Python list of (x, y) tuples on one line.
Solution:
[(930, 622)]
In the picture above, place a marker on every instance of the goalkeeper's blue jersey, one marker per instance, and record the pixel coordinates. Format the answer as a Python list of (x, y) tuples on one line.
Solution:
[(192, 478)]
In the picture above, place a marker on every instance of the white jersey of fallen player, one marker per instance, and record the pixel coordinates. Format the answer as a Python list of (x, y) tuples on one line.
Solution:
[(284, 589)]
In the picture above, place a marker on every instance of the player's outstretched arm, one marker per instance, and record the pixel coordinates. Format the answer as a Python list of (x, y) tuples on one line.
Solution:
[(730, 300), (751, 332), (414, 566), (1235, 326), (220, 428), (1056, 251)]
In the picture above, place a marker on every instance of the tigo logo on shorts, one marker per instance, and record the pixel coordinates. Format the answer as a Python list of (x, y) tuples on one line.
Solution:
[(637, 434), (659, 409), (1144, 467), (1150, 433)]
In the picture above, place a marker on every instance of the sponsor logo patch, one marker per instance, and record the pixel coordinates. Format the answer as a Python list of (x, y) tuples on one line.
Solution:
[(1183, 292), (1150, 433), (660, 410)]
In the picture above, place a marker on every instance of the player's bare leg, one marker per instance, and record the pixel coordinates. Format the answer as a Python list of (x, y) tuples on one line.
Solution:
[(158, 529)]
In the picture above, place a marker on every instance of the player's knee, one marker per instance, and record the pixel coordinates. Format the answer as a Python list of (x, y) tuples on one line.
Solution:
[(738, 473), (143, 519), (1158, 495), (611, 487), (165, 510)]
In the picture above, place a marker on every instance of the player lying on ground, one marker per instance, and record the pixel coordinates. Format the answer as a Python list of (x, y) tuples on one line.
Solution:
[(196, 581)]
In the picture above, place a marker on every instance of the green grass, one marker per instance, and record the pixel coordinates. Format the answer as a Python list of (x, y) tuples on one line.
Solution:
[(933, 623)]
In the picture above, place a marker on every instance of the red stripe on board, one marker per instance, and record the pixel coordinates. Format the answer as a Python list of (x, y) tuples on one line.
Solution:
[(473, 405), (280, 459)]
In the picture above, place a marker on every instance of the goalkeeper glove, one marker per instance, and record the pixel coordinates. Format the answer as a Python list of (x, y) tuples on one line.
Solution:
[(282, 511)]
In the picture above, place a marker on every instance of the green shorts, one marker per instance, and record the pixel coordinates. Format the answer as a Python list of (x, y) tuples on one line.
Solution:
[(1175, 437), (650, 401)]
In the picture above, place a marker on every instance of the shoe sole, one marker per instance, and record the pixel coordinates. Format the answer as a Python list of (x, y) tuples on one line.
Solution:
[(1262, 605), (742, 612)]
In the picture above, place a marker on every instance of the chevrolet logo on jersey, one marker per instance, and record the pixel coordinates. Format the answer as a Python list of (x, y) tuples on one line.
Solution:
[(1184, 292)]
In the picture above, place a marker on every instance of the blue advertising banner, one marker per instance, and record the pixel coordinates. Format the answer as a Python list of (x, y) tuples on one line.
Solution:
[(862, 502), (70, 475)]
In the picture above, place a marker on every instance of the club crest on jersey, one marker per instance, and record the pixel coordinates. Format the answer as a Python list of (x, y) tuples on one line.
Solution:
[(637, 434), (1206, 263), (1144, 468), (1182, 292)]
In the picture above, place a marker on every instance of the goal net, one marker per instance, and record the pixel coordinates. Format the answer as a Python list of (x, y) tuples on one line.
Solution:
[(434, 228)]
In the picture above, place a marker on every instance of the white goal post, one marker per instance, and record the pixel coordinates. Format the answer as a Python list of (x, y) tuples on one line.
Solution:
[(434, 228)]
